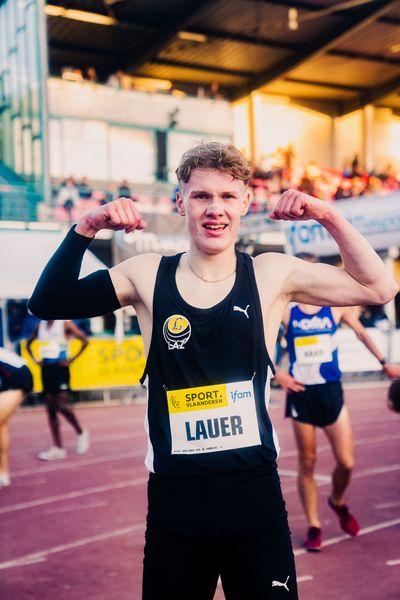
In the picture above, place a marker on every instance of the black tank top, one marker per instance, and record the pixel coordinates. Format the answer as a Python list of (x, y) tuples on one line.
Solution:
[(208, 378)]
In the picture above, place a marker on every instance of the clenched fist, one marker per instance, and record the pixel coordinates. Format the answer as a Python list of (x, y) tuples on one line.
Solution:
[(117, 215), (296, 206)]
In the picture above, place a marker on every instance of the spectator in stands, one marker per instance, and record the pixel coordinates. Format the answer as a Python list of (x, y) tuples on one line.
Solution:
[(343, 191), (355, 166), (71, 74), (91, 75), (119, 80), (214, 92), (124, 191), (374, 316), (84, 189), (68, 196), (307, 186)]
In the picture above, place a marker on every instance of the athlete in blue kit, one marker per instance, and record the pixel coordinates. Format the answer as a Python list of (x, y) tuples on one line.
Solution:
[(315, 399), (209, 320)]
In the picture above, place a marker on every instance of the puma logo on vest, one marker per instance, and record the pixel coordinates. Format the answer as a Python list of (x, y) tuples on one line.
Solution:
[(278, 583), (243, 310)]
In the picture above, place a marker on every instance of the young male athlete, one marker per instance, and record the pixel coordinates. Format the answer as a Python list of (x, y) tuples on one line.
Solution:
[(54, 363), (315, 399), (15, 383), (209, 320)]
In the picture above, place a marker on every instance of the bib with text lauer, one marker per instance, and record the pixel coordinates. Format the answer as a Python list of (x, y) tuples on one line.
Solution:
[(212, 418)]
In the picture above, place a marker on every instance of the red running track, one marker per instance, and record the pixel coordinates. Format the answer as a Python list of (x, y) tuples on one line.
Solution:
[(73, 529)]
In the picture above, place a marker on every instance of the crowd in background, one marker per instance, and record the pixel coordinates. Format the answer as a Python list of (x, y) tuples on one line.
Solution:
[(276, 173), (120, 80)]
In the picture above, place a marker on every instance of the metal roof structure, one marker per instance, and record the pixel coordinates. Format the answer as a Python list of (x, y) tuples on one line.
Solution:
[(338, 56)]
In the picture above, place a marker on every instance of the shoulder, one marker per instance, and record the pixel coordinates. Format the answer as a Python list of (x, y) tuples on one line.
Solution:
[(141, 261), (275, 260), (275, 266)]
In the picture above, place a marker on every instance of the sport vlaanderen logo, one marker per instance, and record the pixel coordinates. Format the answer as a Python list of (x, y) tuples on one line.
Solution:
[(176, 331)]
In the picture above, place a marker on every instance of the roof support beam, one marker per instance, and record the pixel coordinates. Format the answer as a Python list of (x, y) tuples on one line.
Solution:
[(164, 34), (371, 96), (243, 39), (325, 84), (363, 56), (365, 15), (197, 67), (315, 8)]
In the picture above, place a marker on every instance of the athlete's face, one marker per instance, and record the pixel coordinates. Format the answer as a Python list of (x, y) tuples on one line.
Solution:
[(213, 203)]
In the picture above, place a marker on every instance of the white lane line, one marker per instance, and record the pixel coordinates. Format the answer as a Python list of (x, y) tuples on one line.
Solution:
[(31, 482), (97, 440), (376, 471), (303, 578), (79, 507), (294, 473), (361, 385), (77, 494), (44, 468), (326, 447), (322, 479), (41, 556), (393, 563), (364, 531), (96, 427), (387, 505)]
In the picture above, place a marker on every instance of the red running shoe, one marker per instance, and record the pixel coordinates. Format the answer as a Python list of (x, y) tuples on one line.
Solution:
[(313, 540), (347, 521)]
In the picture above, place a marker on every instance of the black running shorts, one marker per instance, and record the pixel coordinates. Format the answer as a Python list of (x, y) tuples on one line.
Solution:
[(233, 525), (319, 404), (55, 378), (19, 379)]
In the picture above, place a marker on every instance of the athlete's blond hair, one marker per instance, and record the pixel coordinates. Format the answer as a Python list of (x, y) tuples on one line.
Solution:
[(214, 155)]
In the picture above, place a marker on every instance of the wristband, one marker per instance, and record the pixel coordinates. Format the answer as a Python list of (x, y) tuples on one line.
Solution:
[(382, 361)]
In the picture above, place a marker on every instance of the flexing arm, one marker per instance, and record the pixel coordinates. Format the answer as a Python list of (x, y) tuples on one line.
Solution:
[(364, 278), (60, 294)]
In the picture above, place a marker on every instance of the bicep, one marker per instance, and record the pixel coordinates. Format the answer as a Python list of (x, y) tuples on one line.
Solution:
[(325, 285)]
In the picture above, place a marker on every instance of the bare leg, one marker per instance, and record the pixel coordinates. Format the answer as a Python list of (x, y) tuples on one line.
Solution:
[(340, 437), (306, 445), (67, 412), (8, 403), (52, 410)]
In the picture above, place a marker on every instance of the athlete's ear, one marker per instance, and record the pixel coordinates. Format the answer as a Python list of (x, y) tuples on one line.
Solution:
[(246, 204), (180, 206)]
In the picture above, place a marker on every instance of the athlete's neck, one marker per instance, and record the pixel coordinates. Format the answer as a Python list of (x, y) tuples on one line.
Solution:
[(211, 267)]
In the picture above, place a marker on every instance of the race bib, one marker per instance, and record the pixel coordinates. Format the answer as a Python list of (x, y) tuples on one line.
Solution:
[(50, 350), (313, 349), (213, 418)]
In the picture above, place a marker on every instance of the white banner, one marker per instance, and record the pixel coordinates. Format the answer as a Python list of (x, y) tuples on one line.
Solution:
[(376, 217), (354, 357)]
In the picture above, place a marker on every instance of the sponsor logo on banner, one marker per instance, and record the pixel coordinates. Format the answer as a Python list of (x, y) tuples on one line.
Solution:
[(176, 331)]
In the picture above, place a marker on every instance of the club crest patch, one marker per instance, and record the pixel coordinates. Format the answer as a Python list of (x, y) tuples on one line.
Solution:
[(177, 331)]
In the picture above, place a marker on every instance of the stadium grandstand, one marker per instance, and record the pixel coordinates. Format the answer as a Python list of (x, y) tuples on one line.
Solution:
[(99, 99)]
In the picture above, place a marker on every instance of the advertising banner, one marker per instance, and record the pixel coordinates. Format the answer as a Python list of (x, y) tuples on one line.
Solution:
[(377, 218), (104, 363)]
